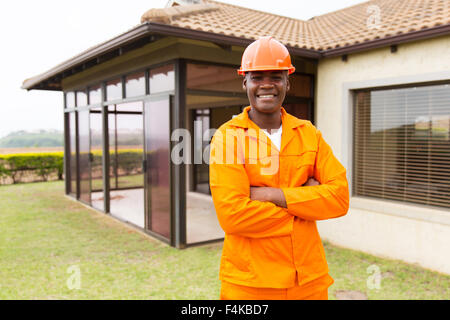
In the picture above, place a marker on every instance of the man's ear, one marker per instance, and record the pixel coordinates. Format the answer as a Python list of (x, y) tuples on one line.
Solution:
[(244, 83), (288, 84)]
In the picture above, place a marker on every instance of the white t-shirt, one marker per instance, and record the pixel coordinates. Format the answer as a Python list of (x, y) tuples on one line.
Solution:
[(275, 136)]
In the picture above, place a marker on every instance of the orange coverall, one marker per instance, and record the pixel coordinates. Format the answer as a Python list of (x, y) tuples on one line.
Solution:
[(267, 246)]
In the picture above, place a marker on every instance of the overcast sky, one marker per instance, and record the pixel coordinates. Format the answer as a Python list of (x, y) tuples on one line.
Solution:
[(38, 35)]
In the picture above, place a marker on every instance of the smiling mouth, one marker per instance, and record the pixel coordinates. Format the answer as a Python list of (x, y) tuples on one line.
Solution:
[(265, 96)]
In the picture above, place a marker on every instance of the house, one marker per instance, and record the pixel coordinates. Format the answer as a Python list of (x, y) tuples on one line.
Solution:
[(374, 78)]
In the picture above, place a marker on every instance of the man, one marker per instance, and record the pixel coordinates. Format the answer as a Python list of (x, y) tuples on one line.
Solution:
[(272, 176)]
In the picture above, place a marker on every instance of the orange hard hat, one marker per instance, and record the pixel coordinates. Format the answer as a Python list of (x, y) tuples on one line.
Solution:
[(266, 53)]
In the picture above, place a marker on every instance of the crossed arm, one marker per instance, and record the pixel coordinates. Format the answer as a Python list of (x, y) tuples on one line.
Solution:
[(264, 211), (275, 195)]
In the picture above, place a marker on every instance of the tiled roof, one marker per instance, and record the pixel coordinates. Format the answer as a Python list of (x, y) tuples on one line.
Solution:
[(241, 22), (365, 22), (344, 31), (357, 24)]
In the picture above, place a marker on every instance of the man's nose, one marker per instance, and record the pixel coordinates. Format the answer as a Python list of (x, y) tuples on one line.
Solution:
[(267, 82)]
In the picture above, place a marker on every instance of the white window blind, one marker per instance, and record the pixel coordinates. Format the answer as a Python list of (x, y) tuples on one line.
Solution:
[(402, 144)]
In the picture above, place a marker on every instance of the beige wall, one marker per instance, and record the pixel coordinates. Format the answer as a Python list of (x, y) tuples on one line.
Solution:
[(412, 59), (407, 232)]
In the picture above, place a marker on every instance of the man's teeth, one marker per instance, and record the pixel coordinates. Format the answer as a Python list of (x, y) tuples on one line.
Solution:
[(267, 96)]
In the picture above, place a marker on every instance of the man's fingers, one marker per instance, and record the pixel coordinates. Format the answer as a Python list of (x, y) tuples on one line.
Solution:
[(311, 182)]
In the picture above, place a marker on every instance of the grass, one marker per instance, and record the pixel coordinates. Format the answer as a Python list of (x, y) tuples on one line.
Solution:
[(44, 235)]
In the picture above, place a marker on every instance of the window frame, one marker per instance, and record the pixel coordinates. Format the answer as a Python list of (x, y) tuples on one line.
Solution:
[(411, 161), (408, 210)]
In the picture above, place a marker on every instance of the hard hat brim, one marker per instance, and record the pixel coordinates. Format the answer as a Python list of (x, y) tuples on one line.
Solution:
[(290, 69)]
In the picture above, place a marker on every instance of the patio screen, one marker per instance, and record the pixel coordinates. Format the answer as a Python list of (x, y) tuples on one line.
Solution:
[(84, 168), (73, 153), (402, 144)]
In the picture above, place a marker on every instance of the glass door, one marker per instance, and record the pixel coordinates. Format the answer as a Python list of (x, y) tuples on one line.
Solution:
[(157, 165), (84, 156), (126, 144), (96, 155)]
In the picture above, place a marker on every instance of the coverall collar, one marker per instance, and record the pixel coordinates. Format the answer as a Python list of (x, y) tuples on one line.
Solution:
[(288, 121)]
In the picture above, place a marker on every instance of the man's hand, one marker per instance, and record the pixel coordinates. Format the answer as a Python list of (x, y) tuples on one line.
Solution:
[(275, 195), (311, 182)]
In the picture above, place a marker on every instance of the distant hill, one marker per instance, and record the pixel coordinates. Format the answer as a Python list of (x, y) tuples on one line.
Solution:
[(40, 138)]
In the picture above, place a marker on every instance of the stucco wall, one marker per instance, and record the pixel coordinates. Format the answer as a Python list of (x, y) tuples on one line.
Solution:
[(410, 233)]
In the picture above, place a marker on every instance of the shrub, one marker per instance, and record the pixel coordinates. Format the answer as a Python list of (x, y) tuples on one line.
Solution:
[(45, 164), (130, 161), (42, 164), (4, 172)]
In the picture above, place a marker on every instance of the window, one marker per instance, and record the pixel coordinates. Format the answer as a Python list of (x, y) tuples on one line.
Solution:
[(213, 78), (402, 145), (162, 79), (135, 85), (84, 170), (70, 99), (73, 153), (81, 98), (300, 85), (95, 94), (114, 90)]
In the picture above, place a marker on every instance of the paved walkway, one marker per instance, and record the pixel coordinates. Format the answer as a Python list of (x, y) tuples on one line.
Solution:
[(201, 219)]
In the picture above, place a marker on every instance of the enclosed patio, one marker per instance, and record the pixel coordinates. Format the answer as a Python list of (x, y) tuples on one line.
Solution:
[(125, 102)]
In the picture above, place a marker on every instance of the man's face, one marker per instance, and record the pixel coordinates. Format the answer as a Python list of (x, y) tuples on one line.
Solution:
[(266, 89)]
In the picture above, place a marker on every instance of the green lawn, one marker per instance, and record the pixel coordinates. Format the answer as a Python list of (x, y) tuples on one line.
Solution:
[(45, 236)]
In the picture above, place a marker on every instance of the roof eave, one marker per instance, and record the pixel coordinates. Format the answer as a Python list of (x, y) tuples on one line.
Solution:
[(141, 31), (220, 38), (92, 53), (384, 42), (152, 28)]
